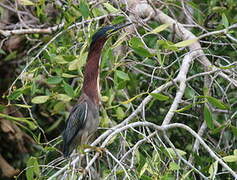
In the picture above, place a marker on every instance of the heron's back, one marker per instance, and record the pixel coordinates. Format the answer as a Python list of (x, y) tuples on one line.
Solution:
[(82, 122)]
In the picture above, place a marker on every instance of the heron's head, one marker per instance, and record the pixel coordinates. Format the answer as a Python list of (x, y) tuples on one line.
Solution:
[(106, 31)]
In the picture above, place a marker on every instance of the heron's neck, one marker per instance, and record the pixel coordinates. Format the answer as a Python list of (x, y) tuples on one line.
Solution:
[(91, 75)]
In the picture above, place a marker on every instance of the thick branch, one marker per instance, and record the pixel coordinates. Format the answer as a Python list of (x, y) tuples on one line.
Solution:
[(164, 128)]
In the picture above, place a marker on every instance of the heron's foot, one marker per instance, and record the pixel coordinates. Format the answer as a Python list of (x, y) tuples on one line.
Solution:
[(95, 148), (81, 170), (100, 150)]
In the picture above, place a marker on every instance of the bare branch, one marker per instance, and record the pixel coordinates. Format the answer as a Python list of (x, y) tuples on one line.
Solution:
[(48, 30)]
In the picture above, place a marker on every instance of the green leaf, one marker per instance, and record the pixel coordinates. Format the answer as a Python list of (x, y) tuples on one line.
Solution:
[(120, 172), (54, 80), (164, 44), (2, 107), (208, 117), (26, 3), (217, 103), (142, 52), (29, 170), (40, 99), (97, 12), (23, 105), (133, 98), (235, 152), (145, 177), (168, 176), (159, 29), (60, 60), (36, 166), (120, 113), (234, 130), (70, 57), (173, 166), (66, 75), (138, 47), (119, 41), (68, 89), (159, 96), (110, 8), (2, 52), (78, 63), (15, 94), (104, 120), (10, 56), (173, 154), (121, 85), (189, 93), (50, 149), (59, 107), (21, 120), (228, 67), (231, 158), (122, 75), (83, 8), (143, 170), (104, 98), (119, 20), (186, 175), (63, 97), (218, 9), (225, 21), (54, 125), (32, 168), (213, 169), (18, 92), (185, 108), (219, 129), (186, 42), (136, 42)]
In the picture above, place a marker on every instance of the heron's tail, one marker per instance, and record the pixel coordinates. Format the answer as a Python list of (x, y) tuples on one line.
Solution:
[(66, 149), (66, 152)]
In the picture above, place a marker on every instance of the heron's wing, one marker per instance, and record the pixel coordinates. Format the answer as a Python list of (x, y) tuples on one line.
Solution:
[(75, 122)]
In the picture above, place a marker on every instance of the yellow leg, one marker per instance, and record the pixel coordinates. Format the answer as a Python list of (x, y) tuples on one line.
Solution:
[(97, 149)]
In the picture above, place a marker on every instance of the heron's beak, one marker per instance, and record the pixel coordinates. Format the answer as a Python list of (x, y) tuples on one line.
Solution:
[(120, 26)]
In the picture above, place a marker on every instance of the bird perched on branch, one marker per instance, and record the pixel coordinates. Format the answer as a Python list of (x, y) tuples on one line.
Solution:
[(84, 116)]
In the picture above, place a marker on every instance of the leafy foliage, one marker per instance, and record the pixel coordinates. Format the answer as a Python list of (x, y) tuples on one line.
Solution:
[(48, 77)]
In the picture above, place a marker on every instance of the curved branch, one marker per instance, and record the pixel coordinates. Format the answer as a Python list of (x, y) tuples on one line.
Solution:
[(163, 128)]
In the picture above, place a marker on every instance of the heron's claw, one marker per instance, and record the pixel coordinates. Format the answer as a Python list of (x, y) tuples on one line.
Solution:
[(100, 150), (81, 170)]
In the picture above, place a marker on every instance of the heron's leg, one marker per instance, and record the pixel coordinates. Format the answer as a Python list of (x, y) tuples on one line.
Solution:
[(94, 148), (84, 139), (79, 165)]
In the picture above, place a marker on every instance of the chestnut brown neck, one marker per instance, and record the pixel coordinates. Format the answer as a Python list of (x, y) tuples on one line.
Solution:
[(90, 85)]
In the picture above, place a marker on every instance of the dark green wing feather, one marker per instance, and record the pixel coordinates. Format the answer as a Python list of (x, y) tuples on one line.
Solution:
[(75, 122)]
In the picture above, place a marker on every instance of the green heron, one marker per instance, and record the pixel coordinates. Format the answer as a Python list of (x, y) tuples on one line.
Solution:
[(83, 120)]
